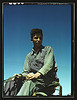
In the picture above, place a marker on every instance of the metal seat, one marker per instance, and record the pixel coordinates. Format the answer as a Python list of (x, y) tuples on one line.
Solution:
[(49, 90)]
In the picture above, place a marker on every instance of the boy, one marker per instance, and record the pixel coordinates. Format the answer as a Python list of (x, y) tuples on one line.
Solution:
[(39, 67)]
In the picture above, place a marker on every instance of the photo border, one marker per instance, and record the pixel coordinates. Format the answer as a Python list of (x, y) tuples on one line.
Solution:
[(72, 43)]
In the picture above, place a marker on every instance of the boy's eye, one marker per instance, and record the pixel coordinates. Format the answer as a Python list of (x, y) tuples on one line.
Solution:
[(36, 37), (39, 38)]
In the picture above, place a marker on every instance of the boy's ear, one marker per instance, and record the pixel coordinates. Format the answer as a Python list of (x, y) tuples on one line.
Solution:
[(31, 40)]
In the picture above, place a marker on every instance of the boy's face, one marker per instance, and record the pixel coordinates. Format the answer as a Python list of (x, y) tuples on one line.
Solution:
[(37, 40)]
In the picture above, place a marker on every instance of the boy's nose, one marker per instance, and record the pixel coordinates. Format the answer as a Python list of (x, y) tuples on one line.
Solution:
[(38, 39)]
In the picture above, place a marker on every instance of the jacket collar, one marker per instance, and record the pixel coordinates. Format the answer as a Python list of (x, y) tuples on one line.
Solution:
[(40, 48)]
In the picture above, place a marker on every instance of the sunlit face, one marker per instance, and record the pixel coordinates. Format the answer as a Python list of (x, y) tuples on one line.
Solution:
[(37, 40)]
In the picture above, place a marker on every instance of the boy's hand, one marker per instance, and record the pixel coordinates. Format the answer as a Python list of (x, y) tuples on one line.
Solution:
[(37, 75), (31, 76), (17, 76)]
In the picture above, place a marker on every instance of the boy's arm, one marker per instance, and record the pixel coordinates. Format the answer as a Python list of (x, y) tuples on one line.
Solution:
[(26, 67), (48, 61)]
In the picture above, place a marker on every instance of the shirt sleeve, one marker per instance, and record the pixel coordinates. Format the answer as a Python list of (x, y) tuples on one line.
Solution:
[(48, 61), (26, 67)]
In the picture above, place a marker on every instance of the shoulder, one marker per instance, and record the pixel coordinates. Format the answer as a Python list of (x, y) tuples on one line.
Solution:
[(29, 54), (48, 48)]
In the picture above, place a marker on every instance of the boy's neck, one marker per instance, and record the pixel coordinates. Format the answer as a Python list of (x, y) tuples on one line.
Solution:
[(36, 48)]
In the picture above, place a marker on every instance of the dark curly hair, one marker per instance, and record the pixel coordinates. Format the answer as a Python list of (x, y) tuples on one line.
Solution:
[(35, 31)]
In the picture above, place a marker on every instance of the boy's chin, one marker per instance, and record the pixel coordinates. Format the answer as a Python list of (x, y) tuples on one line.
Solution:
[(38, 45)]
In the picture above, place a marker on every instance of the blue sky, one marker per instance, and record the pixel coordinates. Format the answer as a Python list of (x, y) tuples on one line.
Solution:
[(55, 22)]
